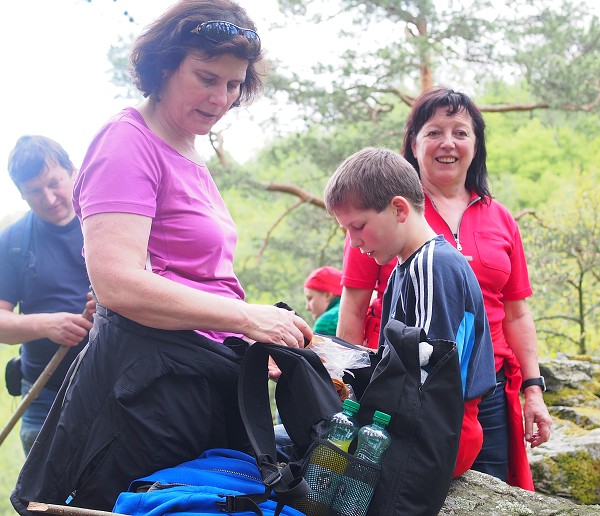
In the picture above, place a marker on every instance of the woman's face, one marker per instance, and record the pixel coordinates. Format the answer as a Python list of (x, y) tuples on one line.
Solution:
[(445, 147), (196, 95)]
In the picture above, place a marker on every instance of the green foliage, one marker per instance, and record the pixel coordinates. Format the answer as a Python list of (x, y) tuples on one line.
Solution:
[(396, 49), (582, 474), (530, 161), (563, 244), (11, 452), (277, 248), (118, 55), (557, 44), (324, 147), (388, 46)]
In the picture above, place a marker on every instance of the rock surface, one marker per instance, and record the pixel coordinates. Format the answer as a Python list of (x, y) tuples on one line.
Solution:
[(477, 494), (568, 465), (566, 469)]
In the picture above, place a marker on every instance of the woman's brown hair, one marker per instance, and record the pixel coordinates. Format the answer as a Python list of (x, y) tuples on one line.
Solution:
[(164, 44)]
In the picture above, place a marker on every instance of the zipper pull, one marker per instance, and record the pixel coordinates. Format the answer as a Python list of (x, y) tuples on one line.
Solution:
[(459, 248)]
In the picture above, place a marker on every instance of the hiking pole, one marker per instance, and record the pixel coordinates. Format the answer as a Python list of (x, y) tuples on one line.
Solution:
[(38, 385), (49, 508)]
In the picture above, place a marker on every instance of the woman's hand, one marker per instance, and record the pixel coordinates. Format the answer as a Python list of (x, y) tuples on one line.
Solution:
[(519, 330), (276, 326), (536, 412)]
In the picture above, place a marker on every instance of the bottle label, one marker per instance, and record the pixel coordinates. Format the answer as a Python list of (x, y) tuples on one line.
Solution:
[(342, 445)]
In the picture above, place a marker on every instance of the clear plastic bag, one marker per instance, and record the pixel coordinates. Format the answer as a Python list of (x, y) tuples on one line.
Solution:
[(339, 359)]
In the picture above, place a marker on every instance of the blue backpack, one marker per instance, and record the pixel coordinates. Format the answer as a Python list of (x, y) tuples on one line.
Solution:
[(219, 481)]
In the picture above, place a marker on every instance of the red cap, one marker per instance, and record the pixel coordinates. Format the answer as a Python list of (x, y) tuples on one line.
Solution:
[(325, 279)]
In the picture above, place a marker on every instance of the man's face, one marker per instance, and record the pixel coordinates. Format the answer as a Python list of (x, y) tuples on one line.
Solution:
[(49, 194)]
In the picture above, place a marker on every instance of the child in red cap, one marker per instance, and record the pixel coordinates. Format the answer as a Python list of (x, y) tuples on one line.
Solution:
[(323, 289)]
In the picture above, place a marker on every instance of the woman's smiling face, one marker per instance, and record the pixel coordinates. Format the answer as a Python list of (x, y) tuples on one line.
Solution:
[(445, 147)]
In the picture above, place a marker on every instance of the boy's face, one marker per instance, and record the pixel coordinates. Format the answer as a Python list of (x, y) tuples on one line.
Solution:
[(377, 234)]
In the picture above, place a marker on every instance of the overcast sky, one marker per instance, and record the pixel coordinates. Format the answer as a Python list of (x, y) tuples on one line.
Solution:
[(56, 74)]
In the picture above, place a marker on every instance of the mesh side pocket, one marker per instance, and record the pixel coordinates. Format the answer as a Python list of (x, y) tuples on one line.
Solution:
[(340, 484), (356, 489)]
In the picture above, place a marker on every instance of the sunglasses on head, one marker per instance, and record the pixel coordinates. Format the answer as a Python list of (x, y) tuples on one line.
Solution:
[(222, 31)]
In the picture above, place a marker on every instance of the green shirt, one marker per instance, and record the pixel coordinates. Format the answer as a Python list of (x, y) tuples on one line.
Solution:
[(326, 323)]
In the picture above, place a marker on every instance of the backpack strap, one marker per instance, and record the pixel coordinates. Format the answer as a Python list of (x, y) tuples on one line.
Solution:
[(243, 503), (306, 399), (22, 250), (21, 236)]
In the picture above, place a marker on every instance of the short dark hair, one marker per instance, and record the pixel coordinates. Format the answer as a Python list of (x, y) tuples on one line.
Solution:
[(370, 178), (32, 155), (424, 107), (169, 39)]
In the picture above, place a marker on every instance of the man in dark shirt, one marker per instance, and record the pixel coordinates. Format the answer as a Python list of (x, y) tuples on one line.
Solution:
[(42, 270)]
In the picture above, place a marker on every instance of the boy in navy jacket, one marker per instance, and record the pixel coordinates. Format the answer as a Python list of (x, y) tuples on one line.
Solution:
[(376, 195)]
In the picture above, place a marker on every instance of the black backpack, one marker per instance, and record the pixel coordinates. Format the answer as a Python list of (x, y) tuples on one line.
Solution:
[(123, 425), (416, 471)]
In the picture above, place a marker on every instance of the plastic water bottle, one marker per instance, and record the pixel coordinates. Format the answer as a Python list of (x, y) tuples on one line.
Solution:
[(342, 426), (355, 493), (326, 467), (374, 439)]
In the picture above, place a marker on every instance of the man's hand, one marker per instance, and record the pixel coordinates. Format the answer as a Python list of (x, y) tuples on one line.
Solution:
[(90, 307), (66, 329), (60, 327)]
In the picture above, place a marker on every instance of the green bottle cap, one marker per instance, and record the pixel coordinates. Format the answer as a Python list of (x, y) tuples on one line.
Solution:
[(381, 417), (351, 405)]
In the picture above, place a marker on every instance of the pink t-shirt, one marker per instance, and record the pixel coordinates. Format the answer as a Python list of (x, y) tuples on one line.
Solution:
[(128, 169)]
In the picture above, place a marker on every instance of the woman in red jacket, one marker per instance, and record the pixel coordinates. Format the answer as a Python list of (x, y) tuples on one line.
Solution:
[(445, 142)]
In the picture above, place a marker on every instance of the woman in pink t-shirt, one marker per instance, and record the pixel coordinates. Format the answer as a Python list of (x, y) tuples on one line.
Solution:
[(154, 223), (157, 384)]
